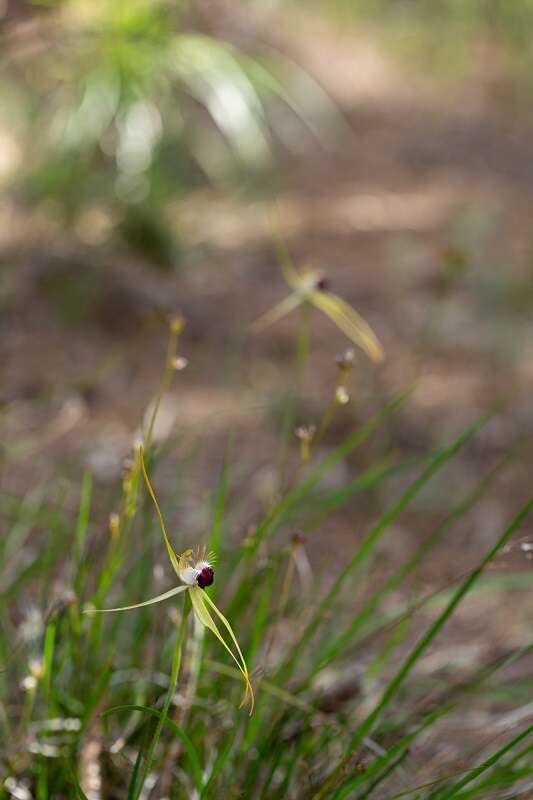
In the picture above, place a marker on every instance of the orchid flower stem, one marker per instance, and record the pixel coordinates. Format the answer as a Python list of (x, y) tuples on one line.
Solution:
[(125, 518), (176, 663), (166, 380), (192, 664)]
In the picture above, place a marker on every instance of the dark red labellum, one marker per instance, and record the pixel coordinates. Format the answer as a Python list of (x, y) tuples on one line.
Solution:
[(205, 577), (323, 283)]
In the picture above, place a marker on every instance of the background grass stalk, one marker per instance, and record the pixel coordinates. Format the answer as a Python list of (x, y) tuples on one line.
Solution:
[(366, 726), (455, 788), (176, 662), (370, 541)]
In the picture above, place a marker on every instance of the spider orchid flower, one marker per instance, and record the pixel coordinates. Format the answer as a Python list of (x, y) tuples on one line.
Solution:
[(312, 287), (195, 574)]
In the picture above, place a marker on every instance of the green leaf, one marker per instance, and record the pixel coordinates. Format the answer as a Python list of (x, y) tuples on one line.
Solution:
[(180, 733), (371, 540), (397, 681)]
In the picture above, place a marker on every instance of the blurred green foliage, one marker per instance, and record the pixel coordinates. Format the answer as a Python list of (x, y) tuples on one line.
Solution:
[(445, 34), (120, 108), (498, 18)]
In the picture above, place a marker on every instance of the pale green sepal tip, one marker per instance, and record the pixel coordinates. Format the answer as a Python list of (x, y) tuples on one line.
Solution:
[(171, 593)]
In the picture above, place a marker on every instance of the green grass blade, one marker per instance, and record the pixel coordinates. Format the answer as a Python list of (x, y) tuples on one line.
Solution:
[(385, 774), (81, 530), (299, 493), (503, 775), (80, 794), (372, 538), (189, 747), (219, 510), (397, 681), (381, 762), (491, 781), (454, 789), (306, 486), (345, 637), (134, 774), (176, 664), (48, 659), (218, 766), (27, 513), (260, 616), (309, 517)]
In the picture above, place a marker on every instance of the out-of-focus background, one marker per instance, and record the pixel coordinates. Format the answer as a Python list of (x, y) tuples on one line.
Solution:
[(142, 147), (151, 152)]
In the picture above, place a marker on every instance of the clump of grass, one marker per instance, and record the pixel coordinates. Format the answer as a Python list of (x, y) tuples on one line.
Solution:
[(142, 705), (153, 107)]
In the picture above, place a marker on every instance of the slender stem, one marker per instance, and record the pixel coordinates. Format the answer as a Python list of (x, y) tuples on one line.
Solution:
[(302, 355), (193, 658), (283, 599), (334, 404), (124, 520), (176, 662), (326, 421), (166, 380)]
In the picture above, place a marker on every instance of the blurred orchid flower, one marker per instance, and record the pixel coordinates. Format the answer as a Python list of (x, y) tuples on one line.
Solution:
[(312, 286), (195, 575)]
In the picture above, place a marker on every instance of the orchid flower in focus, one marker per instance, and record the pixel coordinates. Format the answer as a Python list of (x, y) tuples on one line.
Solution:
[(195, 575)]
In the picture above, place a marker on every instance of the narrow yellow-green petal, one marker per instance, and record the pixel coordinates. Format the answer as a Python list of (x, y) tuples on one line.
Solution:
[(282, 308), (228, 627), (170, 550), (349, 321), (171, 593), (199, 598), (203, 615)]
